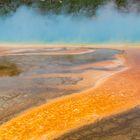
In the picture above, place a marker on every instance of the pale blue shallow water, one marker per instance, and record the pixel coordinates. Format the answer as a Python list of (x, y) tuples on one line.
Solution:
[(109, 25)]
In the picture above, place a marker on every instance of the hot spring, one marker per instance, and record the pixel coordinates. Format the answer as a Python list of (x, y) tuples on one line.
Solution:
[(109, 25)]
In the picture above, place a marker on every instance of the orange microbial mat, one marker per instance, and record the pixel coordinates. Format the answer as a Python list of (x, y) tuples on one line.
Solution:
[(117, 93)]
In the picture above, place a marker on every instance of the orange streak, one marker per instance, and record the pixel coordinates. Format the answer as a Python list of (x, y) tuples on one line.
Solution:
[(116, 94)]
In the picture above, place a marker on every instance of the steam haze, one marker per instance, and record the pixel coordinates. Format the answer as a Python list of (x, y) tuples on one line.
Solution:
[(109, 25)]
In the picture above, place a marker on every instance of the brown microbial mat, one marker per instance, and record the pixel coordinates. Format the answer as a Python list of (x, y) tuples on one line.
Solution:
[(102, 82)]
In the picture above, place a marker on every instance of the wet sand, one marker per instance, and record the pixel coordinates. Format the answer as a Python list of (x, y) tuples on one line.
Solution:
[(64, 114)]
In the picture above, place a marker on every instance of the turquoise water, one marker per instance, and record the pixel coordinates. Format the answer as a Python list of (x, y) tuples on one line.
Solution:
[(109, 25)]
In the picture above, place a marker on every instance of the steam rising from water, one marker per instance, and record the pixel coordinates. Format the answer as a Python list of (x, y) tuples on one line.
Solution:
[(109, 25)]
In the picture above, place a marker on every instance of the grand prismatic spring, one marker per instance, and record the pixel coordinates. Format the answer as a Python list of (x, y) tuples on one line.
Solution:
[(68, 75), (107, 85)]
